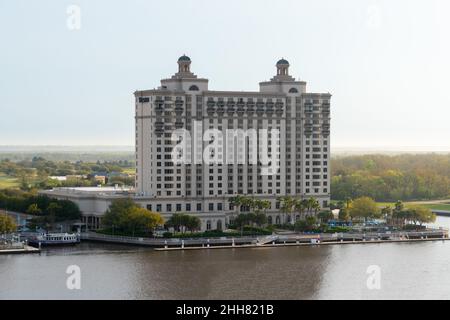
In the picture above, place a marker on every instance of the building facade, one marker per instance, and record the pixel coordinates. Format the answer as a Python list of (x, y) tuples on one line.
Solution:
[(198, 187)]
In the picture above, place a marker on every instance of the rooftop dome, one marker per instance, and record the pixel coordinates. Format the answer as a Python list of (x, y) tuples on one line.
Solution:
[(184, 58), (282, 61)]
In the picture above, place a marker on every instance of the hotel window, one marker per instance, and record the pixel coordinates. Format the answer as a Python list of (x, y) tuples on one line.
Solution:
[(149, 207), (199, 207), (178, 206), (168, 207), (158, 208), (211, 206), (188, 207)]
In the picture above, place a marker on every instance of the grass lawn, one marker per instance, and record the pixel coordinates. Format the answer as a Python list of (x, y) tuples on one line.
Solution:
[(438, 206), (8, 182), (385, 204), (131, 170), (435, 206)]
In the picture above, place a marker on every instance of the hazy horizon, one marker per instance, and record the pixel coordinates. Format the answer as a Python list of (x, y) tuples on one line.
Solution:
[(130, 148), (385, 64)]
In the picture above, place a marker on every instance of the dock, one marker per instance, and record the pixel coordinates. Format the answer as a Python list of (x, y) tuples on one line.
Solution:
[(18, 250)]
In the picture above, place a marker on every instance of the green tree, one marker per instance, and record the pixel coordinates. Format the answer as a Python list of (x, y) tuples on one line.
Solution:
[(307, 224), (399, 206), (312, 206), (193, 223), (241, 221), (7, 224), (300, 207), (182, 222), (287, 207), (126, 216), (325, 215), (364, 207), (420, 215), (141, 220), (33, 209), (52, 211), (386, 212), (260, 219), (117, 210), (344, 214), (237, 203)]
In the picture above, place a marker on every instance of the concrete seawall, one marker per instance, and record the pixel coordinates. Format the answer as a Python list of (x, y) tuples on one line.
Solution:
[(302, 244), (272, 240)]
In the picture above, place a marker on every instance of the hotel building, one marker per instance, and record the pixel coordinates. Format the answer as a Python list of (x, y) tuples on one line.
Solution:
[(184, 101)]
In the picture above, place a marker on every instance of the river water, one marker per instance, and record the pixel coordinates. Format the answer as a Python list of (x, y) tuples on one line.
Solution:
[(417, 270)]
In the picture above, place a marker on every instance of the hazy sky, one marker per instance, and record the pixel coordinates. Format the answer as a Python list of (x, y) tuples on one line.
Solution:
[(385, 62)]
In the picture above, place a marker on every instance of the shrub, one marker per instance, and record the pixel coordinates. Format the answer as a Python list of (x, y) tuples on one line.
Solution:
[(167, 234)]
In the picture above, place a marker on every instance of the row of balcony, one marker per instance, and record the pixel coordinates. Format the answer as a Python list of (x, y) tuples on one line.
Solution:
[(325, 132), (231, 103), (240, 110)]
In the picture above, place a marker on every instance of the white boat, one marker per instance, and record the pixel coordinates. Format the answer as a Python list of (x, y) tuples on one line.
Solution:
[(48, 239)]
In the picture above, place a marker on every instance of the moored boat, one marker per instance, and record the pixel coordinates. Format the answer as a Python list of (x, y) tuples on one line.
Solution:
[(49, 239)]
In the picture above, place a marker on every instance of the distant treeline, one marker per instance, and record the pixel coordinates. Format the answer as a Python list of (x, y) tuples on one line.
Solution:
[(73, 156), (35, 172), (391, 178), (39, 205), (45, 167)]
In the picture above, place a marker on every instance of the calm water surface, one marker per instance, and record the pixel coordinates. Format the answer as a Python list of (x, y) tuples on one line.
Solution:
[(408, 271)]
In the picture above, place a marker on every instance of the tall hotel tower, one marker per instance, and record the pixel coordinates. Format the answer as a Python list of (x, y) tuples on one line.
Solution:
[(302, 118)]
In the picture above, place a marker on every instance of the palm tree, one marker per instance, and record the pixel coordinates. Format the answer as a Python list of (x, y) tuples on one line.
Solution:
[(312, 205), (265, 205), (259, 207), (248, 203), (287, 205), (399, 206), (386, 212), (316, 207), (236, 202), (398, 213), (300, 207)]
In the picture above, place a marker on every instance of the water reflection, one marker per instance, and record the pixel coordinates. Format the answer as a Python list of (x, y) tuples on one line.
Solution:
[(408, 270)]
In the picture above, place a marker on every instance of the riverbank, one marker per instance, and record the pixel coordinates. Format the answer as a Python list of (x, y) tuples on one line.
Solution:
[(272, 240), (271, 245)]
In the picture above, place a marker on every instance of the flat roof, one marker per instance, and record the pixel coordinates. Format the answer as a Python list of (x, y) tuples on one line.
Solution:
[(95, 189), (88, 191)]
